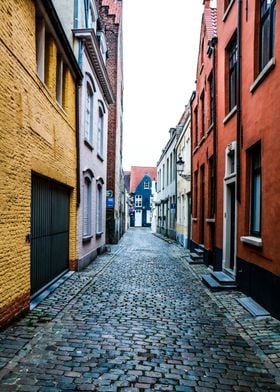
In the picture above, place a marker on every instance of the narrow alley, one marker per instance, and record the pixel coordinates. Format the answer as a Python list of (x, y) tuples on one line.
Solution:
[(139, 319)]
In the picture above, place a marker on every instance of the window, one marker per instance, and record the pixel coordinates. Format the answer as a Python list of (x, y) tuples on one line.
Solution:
[(102, 44), (167, 171), (46, 50), (146, 185), (171, 168), (255, 155), (195, 193), (196, 127), (212, 92), (211, 188), (92, 15), (267, 29), (202, 115), (89, 114), (43, 50), (99, 215), (61, 72), (163, 176), (138, 201), (232, 53), (100, 135), (87, 204), (202, 51)]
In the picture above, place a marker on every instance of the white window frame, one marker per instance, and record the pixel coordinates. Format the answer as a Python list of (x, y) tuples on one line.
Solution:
[(146, 185), (87, 207), (40, 46), (99, 208), (138, 201), (100, 132), (89, 107), (92, 15)]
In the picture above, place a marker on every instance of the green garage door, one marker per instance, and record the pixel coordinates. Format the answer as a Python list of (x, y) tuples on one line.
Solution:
[(49, 232)]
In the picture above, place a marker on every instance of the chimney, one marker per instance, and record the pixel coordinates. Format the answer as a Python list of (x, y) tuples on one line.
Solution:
[(206, 3)]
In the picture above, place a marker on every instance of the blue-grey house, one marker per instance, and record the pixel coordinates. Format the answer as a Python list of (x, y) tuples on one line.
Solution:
[(141, 196)]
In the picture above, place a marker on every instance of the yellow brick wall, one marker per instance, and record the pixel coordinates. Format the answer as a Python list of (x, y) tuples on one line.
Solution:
[(36, 135)]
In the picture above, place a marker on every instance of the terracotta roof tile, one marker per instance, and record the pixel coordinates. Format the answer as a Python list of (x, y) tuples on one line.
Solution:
[(138, 172)]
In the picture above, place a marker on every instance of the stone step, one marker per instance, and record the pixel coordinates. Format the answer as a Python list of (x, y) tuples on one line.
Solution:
[(195, 256), (210, 282), (195, 261), (253, 307), (199, 251), (223, 278), (214, 284)]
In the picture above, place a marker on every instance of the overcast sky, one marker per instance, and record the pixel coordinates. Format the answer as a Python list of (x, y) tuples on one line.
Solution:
[(161, 40)]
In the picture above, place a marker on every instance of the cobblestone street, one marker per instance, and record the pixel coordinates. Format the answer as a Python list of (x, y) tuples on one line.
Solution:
[(139, 319)]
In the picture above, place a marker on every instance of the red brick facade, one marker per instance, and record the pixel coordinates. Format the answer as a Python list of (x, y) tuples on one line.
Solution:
[(246, 222), (110, 12)]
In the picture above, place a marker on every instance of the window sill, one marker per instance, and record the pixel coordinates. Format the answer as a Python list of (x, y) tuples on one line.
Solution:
[(194, 219), (61, 108), (269, 66), (99, 234), (100, 157), (210, 220), (255, 241), (88, 144), (195, 149), (87, 238), (227, 11), (202, 140), (230, 114), (210, 128)]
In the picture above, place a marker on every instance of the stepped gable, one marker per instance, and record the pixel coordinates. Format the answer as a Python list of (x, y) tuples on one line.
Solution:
[(114, 8)]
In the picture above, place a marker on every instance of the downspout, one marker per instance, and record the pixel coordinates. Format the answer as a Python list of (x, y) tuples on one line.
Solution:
[(213, 47), (213, 43), (76, 17), (77, 99), (238, 103), (191, 109)]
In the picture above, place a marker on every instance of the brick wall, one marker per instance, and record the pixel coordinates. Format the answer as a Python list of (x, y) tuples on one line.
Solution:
[(36, 135)]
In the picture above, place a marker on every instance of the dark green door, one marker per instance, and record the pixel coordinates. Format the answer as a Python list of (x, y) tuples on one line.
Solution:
[(49, 231)]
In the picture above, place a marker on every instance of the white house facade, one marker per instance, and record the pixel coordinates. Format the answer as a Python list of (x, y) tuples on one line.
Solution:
[(87, 38), (166, 188), (183, 148)]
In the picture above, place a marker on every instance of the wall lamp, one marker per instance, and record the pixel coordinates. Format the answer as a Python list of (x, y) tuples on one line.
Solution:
[(180, 169)]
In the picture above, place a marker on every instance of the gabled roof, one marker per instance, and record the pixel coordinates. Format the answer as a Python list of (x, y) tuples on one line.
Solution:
[(137, 174)]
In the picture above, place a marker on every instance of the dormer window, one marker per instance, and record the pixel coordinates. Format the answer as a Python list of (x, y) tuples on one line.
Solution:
[(92, 15)]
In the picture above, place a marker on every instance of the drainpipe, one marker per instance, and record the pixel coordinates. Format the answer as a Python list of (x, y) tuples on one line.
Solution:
[(77, 98), (213, 49), (238, 102), (191, 103)]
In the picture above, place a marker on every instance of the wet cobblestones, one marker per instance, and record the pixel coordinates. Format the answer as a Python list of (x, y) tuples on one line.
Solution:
[(139, 319)]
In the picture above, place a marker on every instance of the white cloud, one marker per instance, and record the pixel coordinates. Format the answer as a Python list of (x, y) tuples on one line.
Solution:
[(160, 55)]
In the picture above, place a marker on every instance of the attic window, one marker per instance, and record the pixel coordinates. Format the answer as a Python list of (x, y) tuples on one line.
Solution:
[(146, 185)]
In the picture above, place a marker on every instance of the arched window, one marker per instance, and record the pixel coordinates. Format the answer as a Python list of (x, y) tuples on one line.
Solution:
[(89, 114), (99, 207), (87, 205), (100, 136)]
